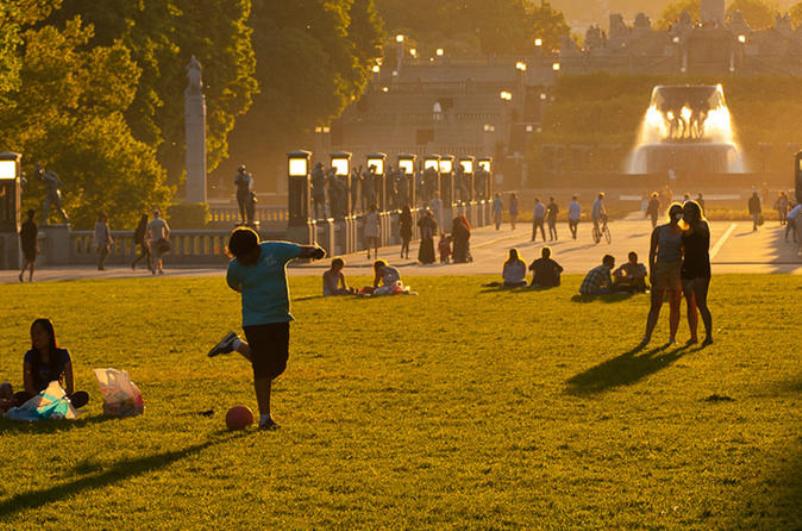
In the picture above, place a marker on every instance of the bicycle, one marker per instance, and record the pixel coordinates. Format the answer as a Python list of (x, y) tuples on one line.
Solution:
[(602, 232)]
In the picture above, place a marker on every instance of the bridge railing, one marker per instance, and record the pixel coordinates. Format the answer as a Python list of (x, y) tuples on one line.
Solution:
[(272, 217)]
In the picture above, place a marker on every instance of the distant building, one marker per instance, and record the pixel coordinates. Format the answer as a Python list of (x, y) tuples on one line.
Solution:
[(715, 46)]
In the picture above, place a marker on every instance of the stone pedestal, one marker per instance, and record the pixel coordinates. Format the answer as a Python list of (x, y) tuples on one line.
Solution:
[(352, 235), (326, 236), (10, 254), (195, 131), (56, 249), (305, 234), (385, 233)]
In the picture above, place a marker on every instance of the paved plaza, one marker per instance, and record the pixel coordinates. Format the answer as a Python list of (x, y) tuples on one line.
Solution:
[(735, 248)]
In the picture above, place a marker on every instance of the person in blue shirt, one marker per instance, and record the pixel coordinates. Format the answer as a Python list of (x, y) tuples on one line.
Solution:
[(258, 271)]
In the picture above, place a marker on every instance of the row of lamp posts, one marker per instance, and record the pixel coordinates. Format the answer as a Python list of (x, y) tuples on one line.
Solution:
[(304, 227)]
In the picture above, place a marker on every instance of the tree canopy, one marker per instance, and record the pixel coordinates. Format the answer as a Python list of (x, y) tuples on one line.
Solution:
[(759, 14)]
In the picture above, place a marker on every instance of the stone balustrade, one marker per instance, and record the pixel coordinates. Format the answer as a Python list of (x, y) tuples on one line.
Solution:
[(272, 217)]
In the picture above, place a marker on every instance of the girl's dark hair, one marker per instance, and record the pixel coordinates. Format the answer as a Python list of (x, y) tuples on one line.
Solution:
[(37, 360), (696, 208), (243, 242)]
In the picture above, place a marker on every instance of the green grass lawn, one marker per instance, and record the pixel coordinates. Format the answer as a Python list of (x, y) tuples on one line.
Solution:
[(460, 407)]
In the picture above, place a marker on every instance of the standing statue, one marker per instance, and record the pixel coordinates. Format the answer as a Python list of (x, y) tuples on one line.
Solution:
[(356, 181), (245, 196), (194, 76), (319, 190), (53, 186)]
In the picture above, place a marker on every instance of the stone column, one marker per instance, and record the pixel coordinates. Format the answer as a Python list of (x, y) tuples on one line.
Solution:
[(195, 130)]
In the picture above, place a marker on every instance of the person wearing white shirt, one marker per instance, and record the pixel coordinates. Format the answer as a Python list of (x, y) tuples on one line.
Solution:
[(538, 219), (574, 212)]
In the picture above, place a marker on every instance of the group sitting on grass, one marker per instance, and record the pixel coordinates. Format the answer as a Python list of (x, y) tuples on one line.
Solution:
[(545, 271), (604, 279), (386, 281), (44, 363)]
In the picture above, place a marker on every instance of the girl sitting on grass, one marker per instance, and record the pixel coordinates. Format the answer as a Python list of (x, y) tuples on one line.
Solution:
[(45, 363), (334, 280)]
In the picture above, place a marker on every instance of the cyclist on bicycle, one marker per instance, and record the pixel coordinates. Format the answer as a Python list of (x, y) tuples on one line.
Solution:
[(599, 213)]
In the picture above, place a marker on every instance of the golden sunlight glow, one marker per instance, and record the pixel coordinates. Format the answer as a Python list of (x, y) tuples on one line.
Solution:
[(8, 170), (299, 167), (407, 166), (377, 163)]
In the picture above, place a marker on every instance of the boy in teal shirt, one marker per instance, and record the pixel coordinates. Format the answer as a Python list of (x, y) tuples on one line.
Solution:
[(259, 272)]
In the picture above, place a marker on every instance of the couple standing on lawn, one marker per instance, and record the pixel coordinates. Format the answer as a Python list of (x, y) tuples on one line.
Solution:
[(679, 263)]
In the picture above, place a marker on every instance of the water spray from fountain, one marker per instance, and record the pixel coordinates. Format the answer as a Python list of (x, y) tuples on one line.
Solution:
[(687, 129)]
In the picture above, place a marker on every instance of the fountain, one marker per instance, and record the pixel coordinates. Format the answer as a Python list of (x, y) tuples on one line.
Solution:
[(688, 130)]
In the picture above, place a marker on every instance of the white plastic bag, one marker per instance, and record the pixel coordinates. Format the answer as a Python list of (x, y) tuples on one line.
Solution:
[(121, 397), (50, 404)]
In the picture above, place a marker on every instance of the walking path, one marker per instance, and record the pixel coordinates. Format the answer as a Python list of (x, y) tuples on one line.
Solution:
[(734, 249)]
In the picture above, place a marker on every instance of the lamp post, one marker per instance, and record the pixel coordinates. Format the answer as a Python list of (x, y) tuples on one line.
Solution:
[(468, 165), (299, 184), (406, 165), (9, 209), (485, 165), (340, 199), (446, 167)]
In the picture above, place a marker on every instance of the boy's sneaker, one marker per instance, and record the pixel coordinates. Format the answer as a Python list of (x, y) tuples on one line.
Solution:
[(225, 345), (268, 425)]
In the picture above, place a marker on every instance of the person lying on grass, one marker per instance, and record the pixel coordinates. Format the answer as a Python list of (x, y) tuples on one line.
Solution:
[(545, 271), (334, 280), (45, 363), (258, 271), (598, 280), (630, 277)]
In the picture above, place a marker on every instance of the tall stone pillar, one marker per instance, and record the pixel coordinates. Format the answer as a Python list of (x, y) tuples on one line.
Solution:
[(195, 131)]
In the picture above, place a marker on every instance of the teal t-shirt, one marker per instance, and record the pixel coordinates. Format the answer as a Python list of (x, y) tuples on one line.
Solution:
[(265, 293)]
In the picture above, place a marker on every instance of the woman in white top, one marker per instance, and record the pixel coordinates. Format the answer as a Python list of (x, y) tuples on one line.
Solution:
[(514, 272), (372, 230)]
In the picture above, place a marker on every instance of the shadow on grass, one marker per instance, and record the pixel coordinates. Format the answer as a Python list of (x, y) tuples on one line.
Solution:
[(120, 471), (626, 369), (52, 426), (612, 297)]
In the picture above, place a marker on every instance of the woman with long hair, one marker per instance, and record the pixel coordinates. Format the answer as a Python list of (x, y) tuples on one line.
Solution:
[(665, 266), (461, 233), (514, 272), (141, 241), (405, 225), (45, 362), (696, 270)]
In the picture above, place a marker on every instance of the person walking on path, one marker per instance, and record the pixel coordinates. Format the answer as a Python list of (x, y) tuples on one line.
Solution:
[(28, 235), (258, 271), (574, 213), (498, 210), (696, 270), (140, 240), (159, 237), (538, 219), (782, 208), (428, 228), (103, 240), (405, 226), (756, 211), (653, 209), (372, 229), (513, 210), (551, 218), (792, 221), (665, 271)]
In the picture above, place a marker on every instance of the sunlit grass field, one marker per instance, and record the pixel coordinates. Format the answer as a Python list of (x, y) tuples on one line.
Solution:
[(460, 407)]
